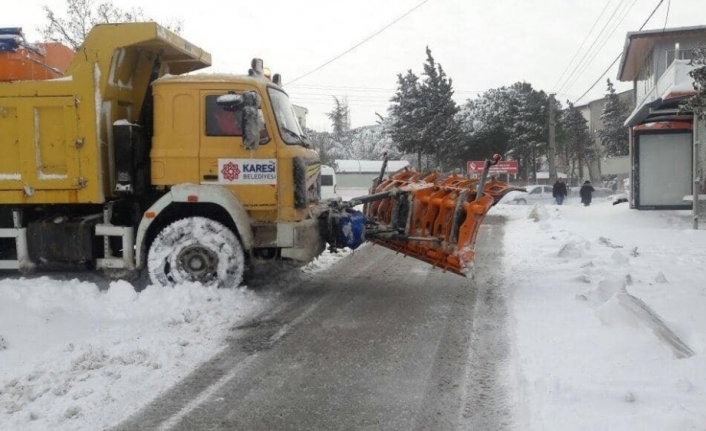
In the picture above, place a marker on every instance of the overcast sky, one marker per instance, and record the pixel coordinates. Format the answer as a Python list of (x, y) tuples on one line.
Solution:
[(480, 44)]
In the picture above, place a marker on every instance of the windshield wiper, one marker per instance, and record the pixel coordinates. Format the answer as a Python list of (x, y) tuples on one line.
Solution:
[(295, 134)]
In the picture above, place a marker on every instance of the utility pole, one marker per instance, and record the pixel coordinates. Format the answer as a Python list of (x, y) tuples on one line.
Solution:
[(552, 142), (696, 189)]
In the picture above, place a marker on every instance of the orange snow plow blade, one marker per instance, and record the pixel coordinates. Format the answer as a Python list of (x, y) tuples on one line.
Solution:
[(439, 216)]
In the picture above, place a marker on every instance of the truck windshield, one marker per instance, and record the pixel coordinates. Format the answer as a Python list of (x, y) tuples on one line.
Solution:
[(287, 122)]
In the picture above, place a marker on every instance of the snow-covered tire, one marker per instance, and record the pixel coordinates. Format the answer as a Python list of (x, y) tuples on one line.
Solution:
[(196, 249), (521, 202)]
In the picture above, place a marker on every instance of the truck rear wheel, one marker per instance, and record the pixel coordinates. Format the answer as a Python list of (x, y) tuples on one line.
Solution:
[(196, 249)]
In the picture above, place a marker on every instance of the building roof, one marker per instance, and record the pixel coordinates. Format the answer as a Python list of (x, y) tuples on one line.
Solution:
[(368, 166), (622, 95), (638, 45)]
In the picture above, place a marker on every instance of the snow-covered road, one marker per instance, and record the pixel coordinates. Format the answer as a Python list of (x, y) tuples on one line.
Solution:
[(378, 341)]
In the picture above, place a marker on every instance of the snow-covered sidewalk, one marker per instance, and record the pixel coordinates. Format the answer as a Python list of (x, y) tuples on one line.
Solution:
[(601, 298)]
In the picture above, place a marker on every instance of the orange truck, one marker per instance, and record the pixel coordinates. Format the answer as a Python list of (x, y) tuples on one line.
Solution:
[(125, 161)]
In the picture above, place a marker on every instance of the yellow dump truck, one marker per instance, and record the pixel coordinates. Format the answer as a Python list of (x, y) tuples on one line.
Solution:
[(130, 162)]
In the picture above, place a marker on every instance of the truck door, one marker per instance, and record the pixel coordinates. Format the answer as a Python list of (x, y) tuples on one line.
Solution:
[(223, 160)]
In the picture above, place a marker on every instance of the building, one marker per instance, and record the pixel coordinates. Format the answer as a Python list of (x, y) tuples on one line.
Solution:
[(661, 139), (543, 177), (603, 166), (360, 173), (300, 113)]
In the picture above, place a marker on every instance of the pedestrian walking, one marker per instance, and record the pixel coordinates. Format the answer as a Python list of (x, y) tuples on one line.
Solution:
[(559, 191), (586, 193)]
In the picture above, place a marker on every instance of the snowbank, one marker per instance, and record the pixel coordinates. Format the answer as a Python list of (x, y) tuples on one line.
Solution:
[(76, 357)]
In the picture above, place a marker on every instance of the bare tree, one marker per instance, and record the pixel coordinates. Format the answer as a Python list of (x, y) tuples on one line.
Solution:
[(72, 26)]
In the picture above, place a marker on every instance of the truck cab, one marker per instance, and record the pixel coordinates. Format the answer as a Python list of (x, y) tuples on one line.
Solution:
[(275, 179)]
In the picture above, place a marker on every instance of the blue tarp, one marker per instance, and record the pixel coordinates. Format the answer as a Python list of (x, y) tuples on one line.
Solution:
[(10, 39)]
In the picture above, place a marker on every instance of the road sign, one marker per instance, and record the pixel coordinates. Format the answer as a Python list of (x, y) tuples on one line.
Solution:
[(503, 167)]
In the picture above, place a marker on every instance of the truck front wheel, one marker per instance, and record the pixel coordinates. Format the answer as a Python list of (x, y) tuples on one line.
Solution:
[(196, 249)]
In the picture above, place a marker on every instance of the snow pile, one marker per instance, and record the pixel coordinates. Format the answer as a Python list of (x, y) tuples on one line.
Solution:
[(609, 323), (76, 357), (326, 260)]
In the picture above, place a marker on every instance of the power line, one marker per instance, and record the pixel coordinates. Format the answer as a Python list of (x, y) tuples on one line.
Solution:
[(618, 57), (582, 43), (359, 43), (666, 18), (604, 41), (588, 51), (298, 87), (615, 13)]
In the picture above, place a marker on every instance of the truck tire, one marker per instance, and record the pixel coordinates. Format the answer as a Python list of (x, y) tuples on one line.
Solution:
[(196, 249)]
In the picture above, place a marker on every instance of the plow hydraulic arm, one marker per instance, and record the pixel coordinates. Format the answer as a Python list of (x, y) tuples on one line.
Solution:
[(432, 217)]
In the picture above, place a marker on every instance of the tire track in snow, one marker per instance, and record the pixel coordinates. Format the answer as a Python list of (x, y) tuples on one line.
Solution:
[(487, 406)]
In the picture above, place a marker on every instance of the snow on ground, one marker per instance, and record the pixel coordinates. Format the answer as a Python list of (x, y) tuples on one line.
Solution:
[(601, 297), (74, 357)]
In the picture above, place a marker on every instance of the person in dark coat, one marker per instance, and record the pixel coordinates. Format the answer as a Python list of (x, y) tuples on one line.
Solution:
[(586, 193), (559, 191)]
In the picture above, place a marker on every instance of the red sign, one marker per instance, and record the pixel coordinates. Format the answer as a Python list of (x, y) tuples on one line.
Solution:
[(503, 167)]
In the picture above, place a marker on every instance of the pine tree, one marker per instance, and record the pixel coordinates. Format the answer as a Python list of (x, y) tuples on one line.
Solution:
[(528, 122), (405, 113), (340, 118), (423, 115), (442, 132), (509, 121), (577, 147), (614, 135)]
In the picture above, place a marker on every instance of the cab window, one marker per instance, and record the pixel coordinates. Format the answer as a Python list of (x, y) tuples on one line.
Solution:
[(220, 122), (326, 180), (287, 122)]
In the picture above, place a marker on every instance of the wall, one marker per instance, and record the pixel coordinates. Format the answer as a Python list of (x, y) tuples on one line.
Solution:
[(592, 112), (355, 180), (661, 48), (301, 112)]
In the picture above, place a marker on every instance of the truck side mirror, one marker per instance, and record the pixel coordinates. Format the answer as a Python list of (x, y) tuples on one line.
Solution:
[(247, 102), (231, 102), (251, 120)]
